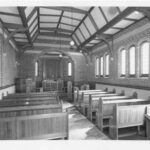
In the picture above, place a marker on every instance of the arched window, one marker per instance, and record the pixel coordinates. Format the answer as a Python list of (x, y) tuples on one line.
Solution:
[(97, 67), (107, 65), (123, 62), (132, 61), (144, 59), (69, 69), (36, 68), (102, 66)]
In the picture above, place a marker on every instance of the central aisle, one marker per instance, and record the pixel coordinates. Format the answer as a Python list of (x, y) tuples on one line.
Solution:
[(80, 128)]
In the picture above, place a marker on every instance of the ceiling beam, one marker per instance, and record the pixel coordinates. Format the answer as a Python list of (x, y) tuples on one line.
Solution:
[(36, 18), (55, 35), (24, 22), (82, 34), (38, 13), (32, 13), (51, 41), (50, 15), (47, 49), (12, 25), (144, 10), (34, 29), (54, 29), (104, 16), (82, 20), (35, 35), (68, 9), (92, 20), (59, 20), (129, 19), (9, 14), (118, 18), (87, 29)]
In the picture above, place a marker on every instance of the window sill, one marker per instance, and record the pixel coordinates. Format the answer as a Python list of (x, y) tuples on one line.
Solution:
[(132, 76)]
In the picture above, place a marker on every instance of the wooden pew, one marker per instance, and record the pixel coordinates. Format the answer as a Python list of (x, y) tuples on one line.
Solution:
[(94, 102), (105, 110), (147, 117), (84, 105), (29, 95), (41, 126), (33, 122), (28, 102), (30, 98), (85, 97), (124, 116), (29, 110), (78, 94)]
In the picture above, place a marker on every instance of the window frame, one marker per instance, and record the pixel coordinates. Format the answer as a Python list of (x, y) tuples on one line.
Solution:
[(101, 66), (97, 67), (140, 60), (36, 68), (105, 65), (120, 52), (69, 71), (135, 66)]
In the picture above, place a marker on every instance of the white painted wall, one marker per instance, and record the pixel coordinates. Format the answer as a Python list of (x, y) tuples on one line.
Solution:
[(128, 91), (7, 91)]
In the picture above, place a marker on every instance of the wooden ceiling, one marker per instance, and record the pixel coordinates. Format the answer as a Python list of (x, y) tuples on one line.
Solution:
[(52, 28)]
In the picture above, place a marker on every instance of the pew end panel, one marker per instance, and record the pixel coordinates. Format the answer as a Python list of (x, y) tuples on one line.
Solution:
[(126, 116), (100, 115)]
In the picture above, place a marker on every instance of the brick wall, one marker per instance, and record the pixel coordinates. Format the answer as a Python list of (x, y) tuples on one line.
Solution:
[(27, 66), (133, 35), (80, 69), (8, 66)]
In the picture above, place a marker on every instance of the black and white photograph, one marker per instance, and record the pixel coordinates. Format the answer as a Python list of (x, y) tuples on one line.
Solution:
[(75, 72)]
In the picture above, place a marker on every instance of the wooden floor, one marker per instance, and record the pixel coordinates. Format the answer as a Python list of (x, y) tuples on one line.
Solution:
[(80, 128)]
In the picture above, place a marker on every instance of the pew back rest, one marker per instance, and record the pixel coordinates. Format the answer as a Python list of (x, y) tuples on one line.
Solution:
[(28, 102), (29, 110), (45, 126)]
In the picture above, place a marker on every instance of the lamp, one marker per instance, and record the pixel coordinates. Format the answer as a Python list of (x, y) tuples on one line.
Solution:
[(60, 55), (71, 42)]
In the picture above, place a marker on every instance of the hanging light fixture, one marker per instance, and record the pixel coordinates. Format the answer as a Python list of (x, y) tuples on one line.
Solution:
[(60, 55), (71, 42)]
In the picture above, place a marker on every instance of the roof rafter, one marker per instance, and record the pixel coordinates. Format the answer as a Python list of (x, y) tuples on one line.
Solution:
[(59, 30), (92, 20), (12, 25), (54, 34), (59, 19), (82, 20), (118, 18), (103, 14), (32, 13), (9, 14), (144, 10), (24, 22), (52, 15), (68, 9)]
